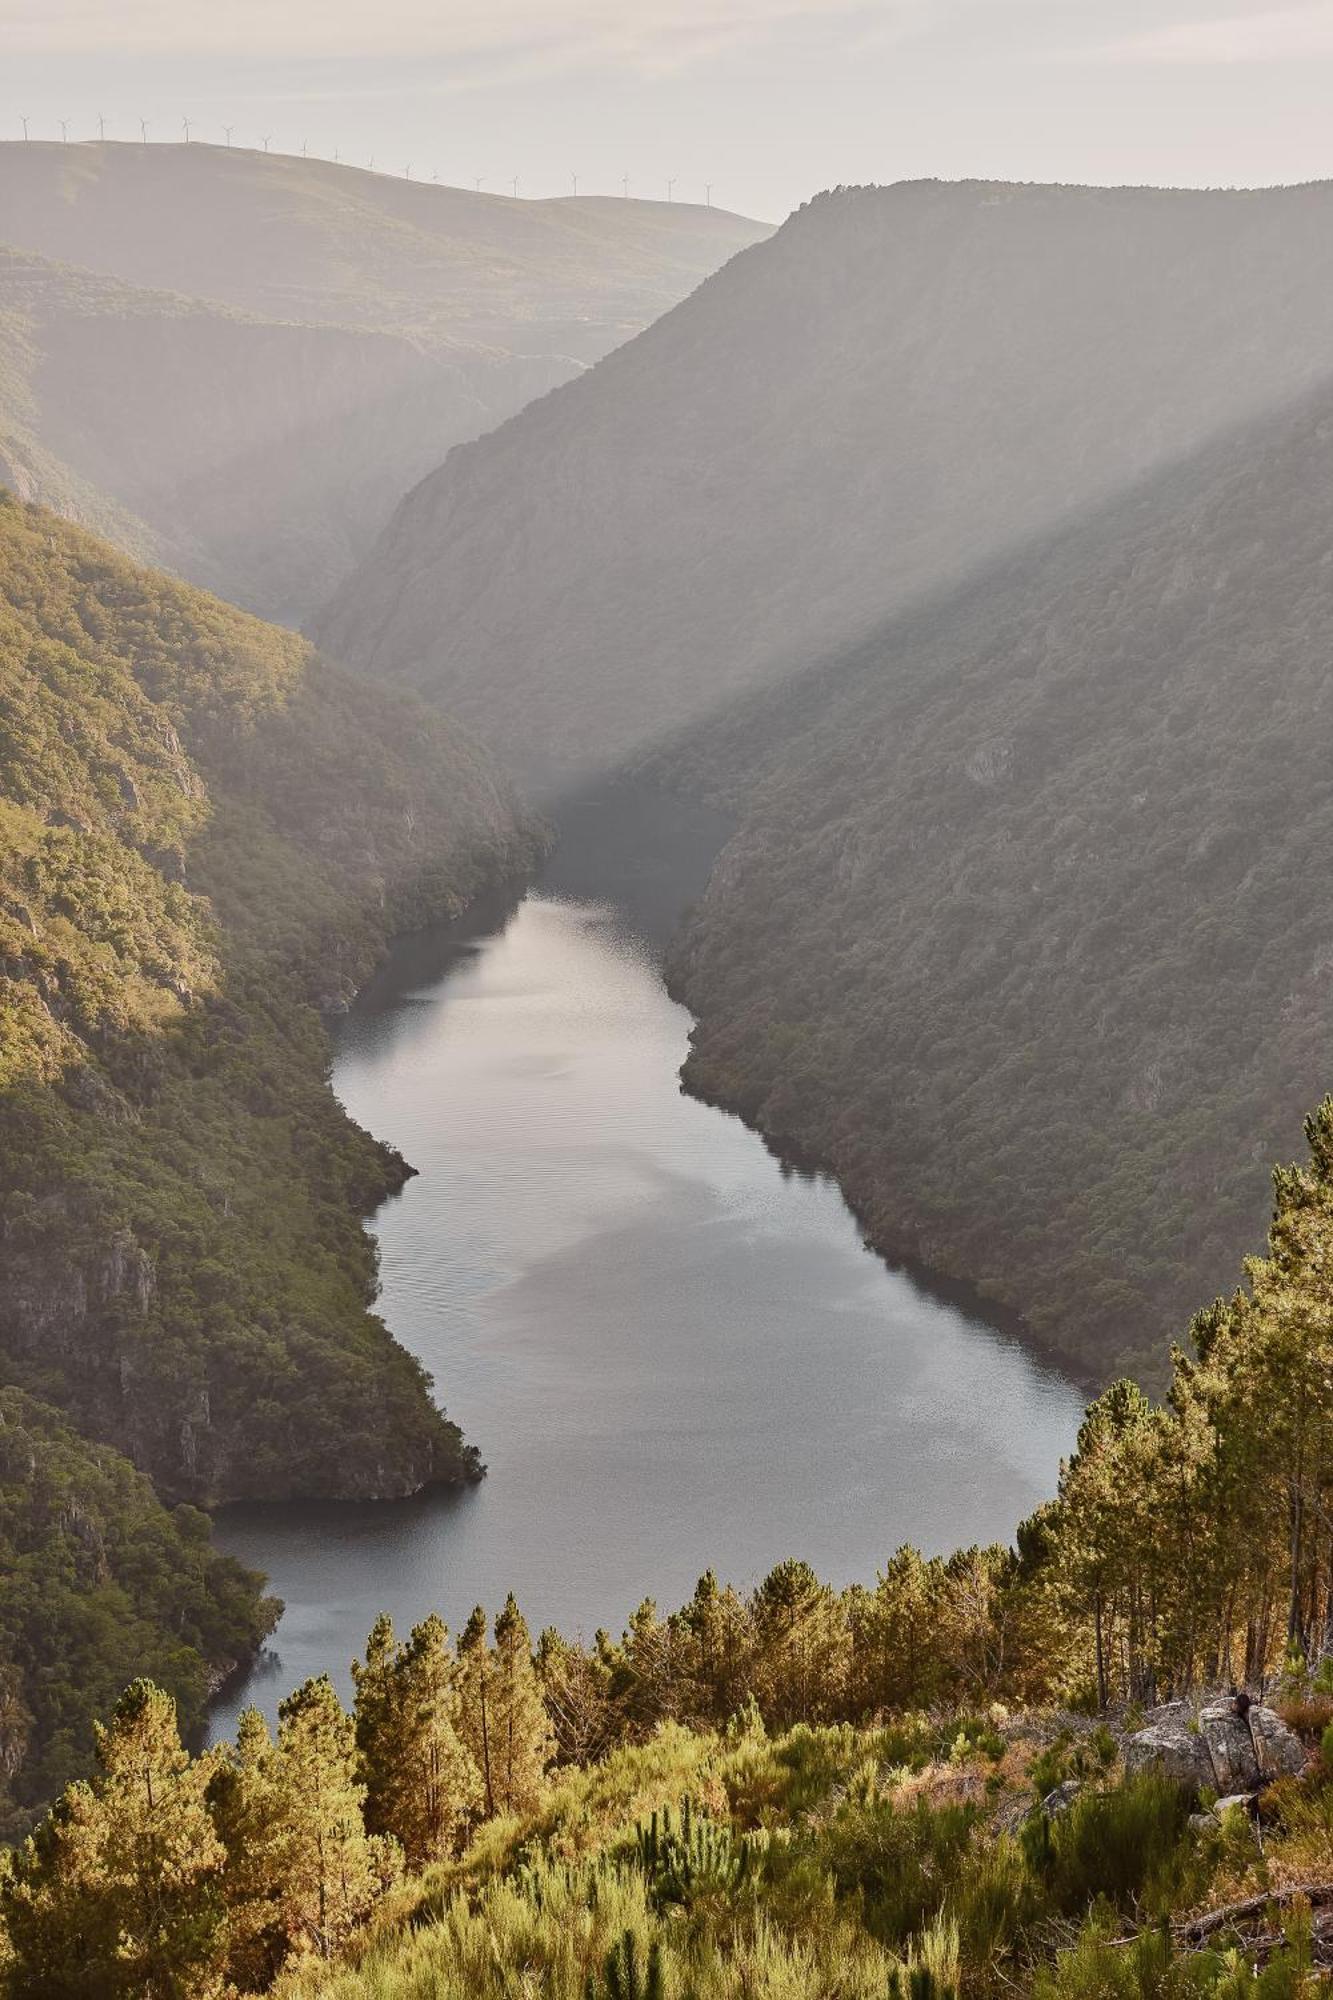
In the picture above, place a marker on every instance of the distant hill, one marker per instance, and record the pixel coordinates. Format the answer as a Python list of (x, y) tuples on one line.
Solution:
[(237, 363), (897, 386), (1025, 930)]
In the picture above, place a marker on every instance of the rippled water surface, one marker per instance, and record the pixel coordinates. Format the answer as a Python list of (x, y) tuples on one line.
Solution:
[(671, 1353)]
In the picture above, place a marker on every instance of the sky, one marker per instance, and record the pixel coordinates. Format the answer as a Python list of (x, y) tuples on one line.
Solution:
[(766, 101)]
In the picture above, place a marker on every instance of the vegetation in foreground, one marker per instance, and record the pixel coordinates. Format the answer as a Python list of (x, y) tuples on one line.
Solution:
[(911, 1790), (206, 834)]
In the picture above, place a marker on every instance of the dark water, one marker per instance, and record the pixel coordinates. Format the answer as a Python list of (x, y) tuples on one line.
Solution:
[(671, 1353)]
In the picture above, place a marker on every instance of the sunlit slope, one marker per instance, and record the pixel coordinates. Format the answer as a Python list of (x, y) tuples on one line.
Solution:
[(206, 830), (237, 365), (897, 385), (1025, 931)]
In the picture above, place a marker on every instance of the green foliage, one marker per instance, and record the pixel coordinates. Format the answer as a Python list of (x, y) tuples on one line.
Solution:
[(422, 1784), (625, 1977), (205, 833), (1018, 932), (689, 1860), (98, 1583), (1122, 1844), (118, 1895)]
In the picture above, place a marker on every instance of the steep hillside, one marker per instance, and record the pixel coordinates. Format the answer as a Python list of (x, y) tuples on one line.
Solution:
[(1025, 930), (206, 829), (899, 384), (99, 1581), (237, 365)]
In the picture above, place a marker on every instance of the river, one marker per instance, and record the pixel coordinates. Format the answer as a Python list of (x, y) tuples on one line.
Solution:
[(672, 1352)]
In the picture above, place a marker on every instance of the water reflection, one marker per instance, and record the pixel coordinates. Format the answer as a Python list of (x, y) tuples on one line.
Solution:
[(672, 1354)]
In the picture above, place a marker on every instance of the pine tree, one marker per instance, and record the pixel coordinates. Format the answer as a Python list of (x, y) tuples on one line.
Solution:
[(331, 1871), (577, 1690), (117, 1896), (422, 1784), (476, 1701), (243, 1796), (523, 1739), (802, 1647)]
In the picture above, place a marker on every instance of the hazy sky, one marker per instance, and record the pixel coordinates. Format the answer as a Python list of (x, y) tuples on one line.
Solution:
[(767, 99)]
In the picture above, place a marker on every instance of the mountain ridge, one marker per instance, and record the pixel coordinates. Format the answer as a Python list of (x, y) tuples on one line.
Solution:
[(892, 389), (236, 364)]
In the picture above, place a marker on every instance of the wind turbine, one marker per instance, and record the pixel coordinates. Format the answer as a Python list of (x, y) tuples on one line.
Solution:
[(304, 154), (407, 171), (143, 130), (477, 180), (64, 131), (575, 179), (624, 185), (264, 141), (670, 186), (24, 123), (228, 130), (514, 185), (708, 195), (186, 123), (101, 127)]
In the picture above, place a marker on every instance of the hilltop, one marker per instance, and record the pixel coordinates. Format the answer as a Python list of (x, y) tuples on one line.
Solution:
[(897, 386), (236, 364)]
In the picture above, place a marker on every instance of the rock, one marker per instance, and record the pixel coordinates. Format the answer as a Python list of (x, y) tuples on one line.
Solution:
[(1208, 1822), (1231, 1748), (1220, 1749), (1280, 1750), (1174, 1746), (1061, 1799)]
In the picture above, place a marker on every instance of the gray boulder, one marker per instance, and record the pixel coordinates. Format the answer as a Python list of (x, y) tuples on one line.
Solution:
[(1217, 1748), (1280, 1750), (1172, 1743)]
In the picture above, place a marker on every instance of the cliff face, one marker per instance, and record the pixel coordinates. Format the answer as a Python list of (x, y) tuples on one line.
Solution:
[(236, 366), (898, 385), (207, 831)]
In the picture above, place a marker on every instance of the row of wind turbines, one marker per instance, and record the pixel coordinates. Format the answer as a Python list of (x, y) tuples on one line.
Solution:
[(479, 180)]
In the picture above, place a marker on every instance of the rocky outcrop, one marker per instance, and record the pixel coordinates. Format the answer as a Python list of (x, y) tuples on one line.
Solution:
[(1221, 1747)]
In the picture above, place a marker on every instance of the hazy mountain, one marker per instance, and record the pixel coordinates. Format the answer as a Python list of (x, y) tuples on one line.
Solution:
[(897, 385), (237, 364), (1026, 927)]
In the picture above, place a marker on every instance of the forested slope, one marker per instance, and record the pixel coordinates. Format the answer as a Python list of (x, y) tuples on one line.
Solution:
[(236, 364), (1025, 930), (205, 831), (897, 386)]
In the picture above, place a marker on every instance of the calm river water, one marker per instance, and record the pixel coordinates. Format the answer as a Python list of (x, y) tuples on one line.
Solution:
[(672, 1353)]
